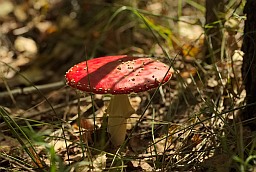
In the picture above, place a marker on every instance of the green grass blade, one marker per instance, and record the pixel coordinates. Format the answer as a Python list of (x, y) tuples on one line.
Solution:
[(20, 135)]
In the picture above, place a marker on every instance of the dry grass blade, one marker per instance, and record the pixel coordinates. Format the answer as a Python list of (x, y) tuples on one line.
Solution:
[(20, 135)]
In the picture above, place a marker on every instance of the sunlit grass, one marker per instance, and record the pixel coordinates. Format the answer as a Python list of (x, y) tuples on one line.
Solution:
[(191, 139)]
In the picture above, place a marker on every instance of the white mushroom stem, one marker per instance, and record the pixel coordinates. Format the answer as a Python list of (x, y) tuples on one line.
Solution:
[(119, 110)]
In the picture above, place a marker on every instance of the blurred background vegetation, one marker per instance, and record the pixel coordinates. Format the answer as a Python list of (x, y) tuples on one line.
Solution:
[(41, 39)]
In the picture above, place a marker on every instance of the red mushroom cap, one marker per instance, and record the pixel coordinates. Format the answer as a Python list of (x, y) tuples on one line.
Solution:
[(118, 75)]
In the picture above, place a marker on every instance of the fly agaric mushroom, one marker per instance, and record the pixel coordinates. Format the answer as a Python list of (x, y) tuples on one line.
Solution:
[(119, 76)]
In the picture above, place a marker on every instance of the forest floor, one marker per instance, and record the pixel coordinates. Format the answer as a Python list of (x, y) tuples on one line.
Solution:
[(186, 125)]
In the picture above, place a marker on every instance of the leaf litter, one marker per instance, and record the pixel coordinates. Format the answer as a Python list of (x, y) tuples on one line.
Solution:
[(180, 128)]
